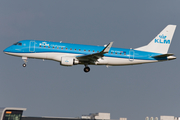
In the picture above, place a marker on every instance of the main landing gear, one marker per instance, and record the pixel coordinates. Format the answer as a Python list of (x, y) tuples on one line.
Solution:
[(24, 65), (25, 61), (86, 69)]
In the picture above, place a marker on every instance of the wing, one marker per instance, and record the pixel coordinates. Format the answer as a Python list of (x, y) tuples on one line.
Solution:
[(93, 57)]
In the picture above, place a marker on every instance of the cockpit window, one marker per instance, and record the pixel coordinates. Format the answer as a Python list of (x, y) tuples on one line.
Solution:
[(15, 43), (18, 43)]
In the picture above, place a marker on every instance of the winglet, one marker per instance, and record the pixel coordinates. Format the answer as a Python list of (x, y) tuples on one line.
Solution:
[(107, 48)]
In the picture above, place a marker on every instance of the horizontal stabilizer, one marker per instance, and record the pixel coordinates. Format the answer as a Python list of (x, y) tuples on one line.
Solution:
[(163, 55)]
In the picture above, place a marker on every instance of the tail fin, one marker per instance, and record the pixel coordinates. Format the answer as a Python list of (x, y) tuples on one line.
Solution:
[(161, 43)]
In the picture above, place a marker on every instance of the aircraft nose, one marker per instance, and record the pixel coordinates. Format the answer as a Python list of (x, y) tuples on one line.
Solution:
[(7, 50)]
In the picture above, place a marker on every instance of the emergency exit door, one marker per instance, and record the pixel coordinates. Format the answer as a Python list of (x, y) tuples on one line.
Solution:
[(32, 46)]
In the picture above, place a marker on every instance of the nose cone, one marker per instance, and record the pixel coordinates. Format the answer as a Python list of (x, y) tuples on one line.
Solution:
[(7, 50)]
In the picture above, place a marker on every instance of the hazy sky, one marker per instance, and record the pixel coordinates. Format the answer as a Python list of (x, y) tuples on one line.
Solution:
[(47, 89)]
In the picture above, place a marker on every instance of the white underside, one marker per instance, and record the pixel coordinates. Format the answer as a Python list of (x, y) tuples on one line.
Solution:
[(112, 61)]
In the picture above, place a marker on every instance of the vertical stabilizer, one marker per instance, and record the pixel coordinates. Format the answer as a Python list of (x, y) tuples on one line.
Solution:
[(161, 43)]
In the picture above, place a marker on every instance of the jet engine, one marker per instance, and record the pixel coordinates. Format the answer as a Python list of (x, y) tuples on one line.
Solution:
[(68, 61), (101, 61)]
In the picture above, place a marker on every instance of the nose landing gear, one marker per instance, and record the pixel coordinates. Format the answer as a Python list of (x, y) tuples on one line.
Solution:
[(25, 61)]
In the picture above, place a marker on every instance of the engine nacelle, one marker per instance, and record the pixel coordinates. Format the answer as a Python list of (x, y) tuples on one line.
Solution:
[(101, 62), (68, 61)]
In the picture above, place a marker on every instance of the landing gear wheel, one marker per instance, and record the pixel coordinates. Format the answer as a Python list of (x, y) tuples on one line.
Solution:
[(24, 65), (86, 69)]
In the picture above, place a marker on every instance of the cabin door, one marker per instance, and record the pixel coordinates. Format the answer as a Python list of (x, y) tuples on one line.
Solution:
[(131, 55), (32, 46)]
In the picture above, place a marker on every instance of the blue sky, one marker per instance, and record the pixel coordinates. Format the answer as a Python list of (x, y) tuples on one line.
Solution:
[(47, 89)]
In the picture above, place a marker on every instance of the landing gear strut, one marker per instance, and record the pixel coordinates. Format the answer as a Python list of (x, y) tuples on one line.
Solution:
[(25, 61), (86, 69)]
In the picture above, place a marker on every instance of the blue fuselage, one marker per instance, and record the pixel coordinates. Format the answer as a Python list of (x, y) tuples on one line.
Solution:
[(36, 46)]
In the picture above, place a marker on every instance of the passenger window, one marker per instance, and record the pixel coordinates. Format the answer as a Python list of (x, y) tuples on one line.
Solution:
[(79, 49), (84, 50), (53, 47), (74, 49), (66, 48), (48, 46), (62, 48), (89, 50), (40, 46), (111, 52), (44, 46), (116, 53), (93, 50), (97, 51), (57, 47), (70, 48)]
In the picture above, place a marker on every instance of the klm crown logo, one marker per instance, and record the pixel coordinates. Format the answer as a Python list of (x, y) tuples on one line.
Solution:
[(67, 61), (44, 44), (162, 40), (162, 36)]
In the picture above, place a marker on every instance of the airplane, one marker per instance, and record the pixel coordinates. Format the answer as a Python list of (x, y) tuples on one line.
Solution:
[(69, 54)]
